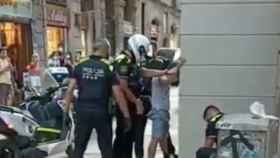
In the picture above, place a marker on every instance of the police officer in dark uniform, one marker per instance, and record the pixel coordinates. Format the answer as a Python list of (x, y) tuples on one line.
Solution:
[(128, 67), (96, 82), (212, 115)]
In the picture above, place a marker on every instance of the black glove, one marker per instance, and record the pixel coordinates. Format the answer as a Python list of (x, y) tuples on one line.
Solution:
[(127, 124)]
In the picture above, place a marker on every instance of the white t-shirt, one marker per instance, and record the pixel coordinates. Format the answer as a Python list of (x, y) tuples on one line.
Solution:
[(160, 95)]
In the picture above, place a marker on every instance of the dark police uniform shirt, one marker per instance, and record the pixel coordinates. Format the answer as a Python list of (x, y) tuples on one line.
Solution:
[(130, 71), (211, 130), (95, 78)]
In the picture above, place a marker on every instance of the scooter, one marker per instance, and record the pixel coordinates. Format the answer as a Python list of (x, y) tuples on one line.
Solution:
[(37, 129)]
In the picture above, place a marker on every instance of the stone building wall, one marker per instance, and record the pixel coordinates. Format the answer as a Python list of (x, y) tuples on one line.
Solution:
[(156, 10), (110, 20), (37, 26), (74, 32)]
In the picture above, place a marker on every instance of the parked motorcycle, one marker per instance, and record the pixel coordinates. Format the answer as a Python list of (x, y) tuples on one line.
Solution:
[(37, 129)]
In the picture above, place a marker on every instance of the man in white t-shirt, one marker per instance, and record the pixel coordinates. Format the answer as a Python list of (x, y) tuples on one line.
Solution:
[(160, 101)]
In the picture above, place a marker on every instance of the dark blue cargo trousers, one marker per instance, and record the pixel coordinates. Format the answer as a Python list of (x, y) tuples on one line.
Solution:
[(86, 121)]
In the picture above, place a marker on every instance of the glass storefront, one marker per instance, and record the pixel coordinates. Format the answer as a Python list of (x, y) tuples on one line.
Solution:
[(56, 39), (17, 38)]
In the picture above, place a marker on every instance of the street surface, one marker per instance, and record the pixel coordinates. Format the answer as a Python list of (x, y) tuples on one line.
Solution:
[(93, 151)]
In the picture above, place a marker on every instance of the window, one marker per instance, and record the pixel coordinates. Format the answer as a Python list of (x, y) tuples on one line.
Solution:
[(56, 39), (87, 5), (84, 42), (126, 11), (165, 23)]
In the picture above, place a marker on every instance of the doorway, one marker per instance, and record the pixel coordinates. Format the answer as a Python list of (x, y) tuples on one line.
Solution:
[(17, 38)]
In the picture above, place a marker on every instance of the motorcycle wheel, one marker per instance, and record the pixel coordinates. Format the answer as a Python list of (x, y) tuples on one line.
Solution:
[(9, 150)]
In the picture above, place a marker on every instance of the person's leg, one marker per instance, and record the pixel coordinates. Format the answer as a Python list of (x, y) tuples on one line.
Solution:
[(139, 132), (104, 137), (164, 146), (83, 132), (171, 147), (122, 147), (4, 93), (117, 152), (7, 93), (163, 132), (152, 148)]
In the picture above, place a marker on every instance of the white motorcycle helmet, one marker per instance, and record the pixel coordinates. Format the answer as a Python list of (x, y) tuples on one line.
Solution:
[(139, 46)]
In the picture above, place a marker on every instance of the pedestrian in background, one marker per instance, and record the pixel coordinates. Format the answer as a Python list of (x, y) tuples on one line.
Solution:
[(34, 74), (34, 68), (54, 59), (77, 57), (68, 62), (5, 76), (96, 82)]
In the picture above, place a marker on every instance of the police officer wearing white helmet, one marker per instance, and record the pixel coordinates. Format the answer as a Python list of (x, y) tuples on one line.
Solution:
[(96, 82), (128, 66)]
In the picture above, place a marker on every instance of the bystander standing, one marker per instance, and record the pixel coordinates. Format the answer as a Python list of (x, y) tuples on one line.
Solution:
[(5, 76)]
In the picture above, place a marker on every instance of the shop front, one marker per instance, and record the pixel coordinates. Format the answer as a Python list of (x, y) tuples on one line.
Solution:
[(15, 33), (57, 30)]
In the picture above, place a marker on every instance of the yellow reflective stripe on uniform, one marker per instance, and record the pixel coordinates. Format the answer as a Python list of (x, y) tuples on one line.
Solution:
[(215, 118), (108, 63), (51, 130), (83, 59), (120, 57)]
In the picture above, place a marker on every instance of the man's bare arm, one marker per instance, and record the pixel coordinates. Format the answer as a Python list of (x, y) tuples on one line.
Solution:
[(120, 99), (169, 79), (131, 97), (124, 86), (209, 142), (69, 94), (149, 73)]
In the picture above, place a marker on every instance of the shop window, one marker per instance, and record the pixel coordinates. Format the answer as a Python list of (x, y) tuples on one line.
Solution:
[(56, 39), (17, 38), (128, 10)]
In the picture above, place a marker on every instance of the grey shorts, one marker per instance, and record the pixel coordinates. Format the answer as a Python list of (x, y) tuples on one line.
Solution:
[(4, 90), (160, 123)]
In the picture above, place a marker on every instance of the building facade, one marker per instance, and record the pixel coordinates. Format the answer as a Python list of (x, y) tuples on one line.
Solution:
[(41, 26), (157, 19), (231, 47), (117, 20)]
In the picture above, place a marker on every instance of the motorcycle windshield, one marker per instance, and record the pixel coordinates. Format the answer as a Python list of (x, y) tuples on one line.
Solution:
[(48, 81)]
